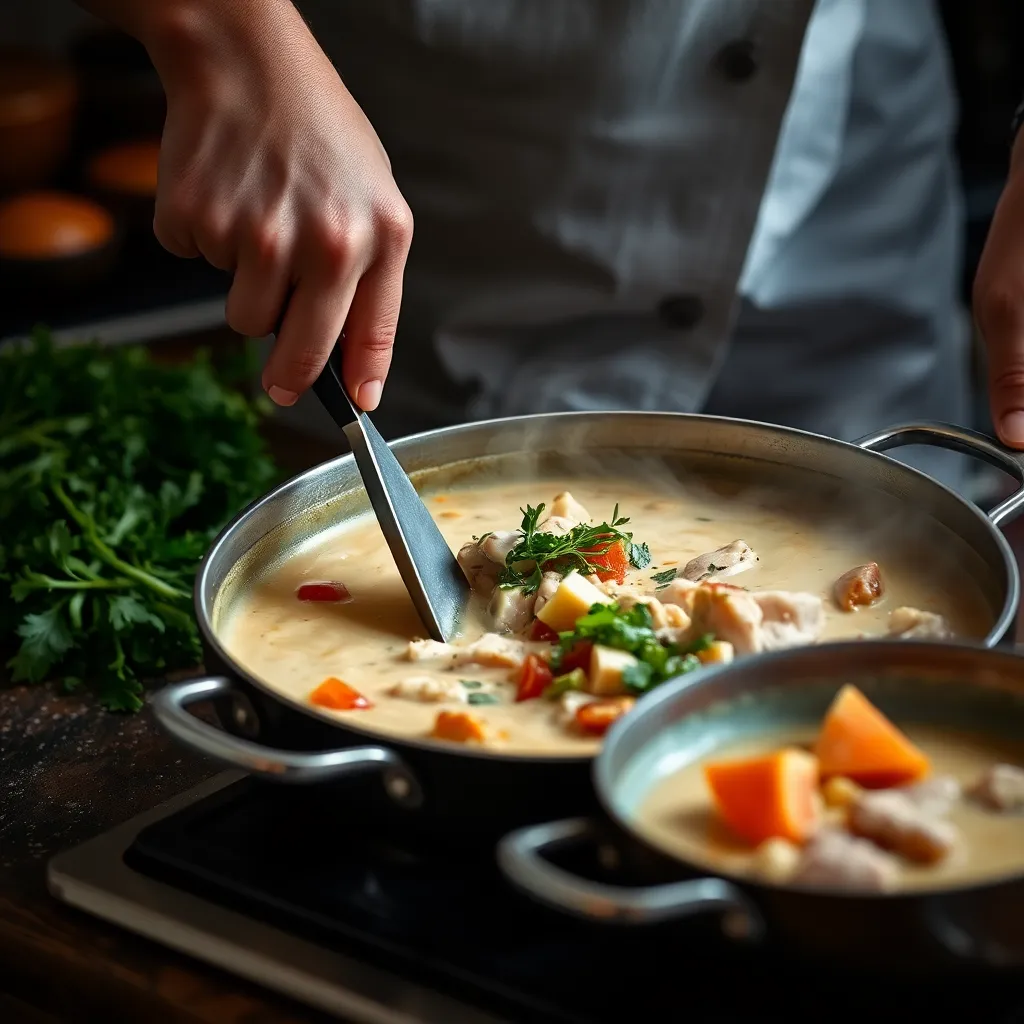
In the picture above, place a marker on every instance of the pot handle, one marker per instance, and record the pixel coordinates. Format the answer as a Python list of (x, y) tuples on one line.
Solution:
[(170, 707), (522, 861), (965, 441)]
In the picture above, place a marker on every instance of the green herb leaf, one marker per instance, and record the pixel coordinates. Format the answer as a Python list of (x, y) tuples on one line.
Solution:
[(482, 698), (639, 556), (574, 680), (632, 631), (664, 578), (471, 684), (564, 553), (116, 473)]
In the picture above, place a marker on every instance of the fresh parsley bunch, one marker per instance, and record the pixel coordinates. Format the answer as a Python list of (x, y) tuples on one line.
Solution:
[(116, 473)]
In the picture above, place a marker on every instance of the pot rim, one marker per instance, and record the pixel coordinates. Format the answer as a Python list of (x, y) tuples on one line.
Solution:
[(604, 779), (203, 612)]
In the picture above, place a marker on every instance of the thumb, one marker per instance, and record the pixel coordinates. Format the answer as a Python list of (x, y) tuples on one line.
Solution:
[(999, 311)]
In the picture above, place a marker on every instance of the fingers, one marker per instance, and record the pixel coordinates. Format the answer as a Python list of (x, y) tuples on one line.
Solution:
[(999, 311), (309, 331), (259, 286), (373, 318)]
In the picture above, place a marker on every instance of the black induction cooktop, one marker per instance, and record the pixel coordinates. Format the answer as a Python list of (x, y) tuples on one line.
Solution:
[(313, 895)]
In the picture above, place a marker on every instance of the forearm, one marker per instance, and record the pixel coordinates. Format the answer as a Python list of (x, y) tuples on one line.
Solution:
[(183, 34)]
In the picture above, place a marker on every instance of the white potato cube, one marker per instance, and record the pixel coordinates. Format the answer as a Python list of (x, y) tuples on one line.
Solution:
[(607, 666), (573, 599)]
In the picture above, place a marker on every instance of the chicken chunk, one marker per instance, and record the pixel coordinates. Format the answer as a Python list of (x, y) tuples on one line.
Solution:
[(1001, 788), (894, 821), (511, 609), (497, 546), (935, 796), (429, 690), (753, 621), (859, 587), (728, 614), (789, 618), (565, 506), (490, 650), (914, 624), (480, 570), (777, 860), (548, 585), (836, 860), (680, 593), (725, 561)]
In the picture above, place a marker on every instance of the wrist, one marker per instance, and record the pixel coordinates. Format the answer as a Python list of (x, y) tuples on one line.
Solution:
[(186, 39)]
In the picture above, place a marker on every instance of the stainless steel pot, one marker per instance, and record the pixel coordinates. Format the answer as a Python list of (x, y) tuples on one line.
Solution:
[(285, 740), (937, 684)]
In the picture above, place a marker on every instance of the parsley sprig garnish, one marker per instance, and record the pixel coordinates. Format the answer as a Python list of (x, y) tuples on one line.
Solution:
[(539, 552)]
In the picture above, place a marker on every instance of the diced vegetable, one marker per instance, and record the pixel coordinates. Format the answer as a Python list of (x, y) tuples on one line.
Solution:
[(717, 652), (607, 668), (577, 656), (541, 632), (840, 791), (459, 727), (777, 860), (534, 678), (574, 597), (633, 631), (612, 564), (574, 680), (858, 741), (766, 797), (338, 696), (324, 591), (597, 717)]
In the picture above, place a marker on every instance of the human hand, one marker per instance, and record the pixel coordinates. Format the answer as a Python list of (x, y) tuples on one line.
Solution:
[(999, 305), (269, 169)]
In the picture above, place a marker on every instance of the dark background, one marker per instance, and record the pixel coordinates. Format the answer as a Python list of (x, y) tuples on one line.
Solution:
[(174, 296)]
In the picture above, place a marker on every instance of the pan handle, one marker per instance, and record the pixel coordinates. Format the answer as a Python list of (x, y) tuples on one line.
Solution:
[(170, 707), (522, 861), (965, 441)]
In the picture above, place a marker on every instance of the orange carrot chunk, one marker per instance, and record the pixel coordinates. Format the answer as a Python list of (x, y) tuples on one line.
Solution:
[(338, 696), (611, 564), (459, 727), (767, 797), (858, 741)]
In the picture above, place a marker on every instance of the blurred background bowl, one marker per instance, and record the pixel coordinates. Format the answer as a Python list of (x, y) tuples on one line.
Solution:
[(54, 244), (38, 99)]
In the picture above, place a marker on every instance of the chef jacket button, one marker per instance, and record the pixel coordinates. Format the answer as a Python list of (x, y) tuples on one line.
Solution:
[(737, 60), (681, 310)]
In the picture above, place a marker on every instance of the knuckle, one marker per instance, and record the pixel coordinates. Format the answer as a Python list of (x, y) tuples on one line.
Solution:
[(1009, 380), (338, 248), (396, 222), (266, 243)]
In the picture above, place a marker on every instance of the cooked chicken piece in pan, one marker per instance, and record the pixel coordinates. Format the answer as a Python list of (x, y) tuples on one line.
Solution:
[(914, 624), (725, 561), (858, 588)]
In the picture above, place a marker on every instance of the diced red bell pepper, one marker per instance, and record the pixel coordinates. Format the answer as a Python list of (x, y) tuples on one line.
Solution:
[(324, 591), (612, 564), (534, 678), (578, 656), (338, 696), (596, 718), (541, 631)]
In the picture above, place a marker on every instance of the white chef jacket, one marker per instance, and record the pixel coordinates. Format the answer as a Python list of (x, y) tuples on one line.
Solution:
[(743, 206)]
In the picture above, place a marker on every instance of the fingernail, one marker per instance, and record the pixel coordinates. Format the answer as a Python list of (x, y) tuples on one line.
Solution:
[(1013, 427), (368, 395), (281, 397)]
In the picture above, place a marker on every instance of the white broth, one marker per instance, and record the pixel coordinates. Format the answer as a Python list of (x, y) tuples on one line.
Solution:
[(803, 542)]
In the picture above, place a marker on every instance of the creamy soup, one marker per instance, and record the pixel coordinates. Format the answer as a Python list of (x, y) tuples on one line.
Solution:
[(799, 542), (678, 817)]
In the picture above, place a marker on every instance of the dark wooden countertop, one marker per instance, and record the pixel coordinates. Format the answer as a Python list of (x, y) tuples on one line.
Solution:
[(69, 771)]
